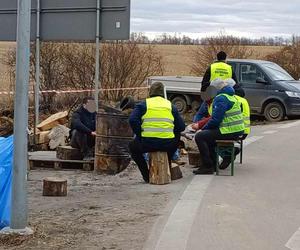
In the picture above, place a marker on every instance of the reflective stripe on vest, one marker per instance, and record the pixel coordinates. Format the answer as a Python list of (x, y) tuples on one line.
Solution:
[(233, 121), (246, 113), (220, 70), (210, 109), (158, 121)]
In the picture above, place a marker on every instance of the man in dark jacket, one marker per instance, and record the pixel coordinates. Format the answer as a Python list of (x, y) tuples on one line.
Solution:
[(226, 123), (157, 126), (220, 69), (83, 126)]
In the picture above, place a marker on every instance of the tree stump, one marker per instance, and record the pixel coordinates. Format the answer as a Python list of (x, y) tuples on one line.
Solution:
[(54, 187), (175, 172), (195, 158), (159, 168), (68, 153)]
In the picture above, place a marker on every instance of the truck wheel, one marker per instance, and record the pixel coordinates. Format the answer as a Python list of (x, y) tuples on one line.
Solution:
[(195, 106), (180, 104), (274, 112)]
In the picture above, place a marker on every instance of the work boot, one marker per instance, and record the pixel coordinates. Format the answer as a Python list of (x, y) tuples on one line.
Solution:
[(227, 160), (88, 156), (204, 170)]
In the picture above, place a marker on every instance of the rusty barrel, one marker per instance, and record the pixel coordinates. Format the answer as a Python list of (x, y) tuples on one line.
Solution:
[(113, 137)]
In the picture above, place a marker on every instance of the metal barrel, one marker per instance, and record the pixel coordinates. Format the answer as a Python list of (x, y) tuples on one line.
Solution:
[(113, 137)]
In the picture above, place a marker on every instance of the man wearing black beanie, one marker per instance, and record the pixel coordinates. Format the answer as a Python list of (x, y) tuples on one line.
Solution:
[(220, 69)]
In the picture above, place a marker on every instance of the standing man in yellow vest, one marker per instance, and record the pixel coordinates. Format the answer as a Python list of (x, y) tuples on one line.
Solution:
[(157, 126), (226, 123), (220, 69)]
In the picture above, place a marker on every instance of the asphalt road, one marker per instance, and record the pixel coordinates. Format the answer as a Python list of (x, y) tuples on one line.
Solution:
[(257, 209)]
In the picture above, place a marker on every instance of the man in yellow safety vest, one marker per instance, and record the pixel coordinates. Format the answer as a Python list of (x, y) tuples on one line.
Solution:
[(226, 123), (220, 69), (157, 126)]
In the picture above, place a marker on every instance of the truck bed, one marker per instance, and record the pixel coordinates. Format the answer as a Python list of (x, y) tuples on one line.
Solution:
[(182, 84)]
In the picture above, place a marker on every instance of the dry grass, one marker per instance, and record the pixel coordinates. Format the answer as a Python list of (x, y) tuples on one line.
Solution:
[(176, 58)]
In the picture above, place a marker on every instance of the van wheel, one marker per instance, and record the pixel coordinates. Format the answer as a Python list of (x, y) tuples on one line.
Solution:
[(274, 112), (180, 104)]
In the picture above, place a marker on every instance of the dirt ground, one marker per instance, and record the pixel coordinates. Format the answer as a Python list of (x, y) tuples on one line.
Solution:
[(100, 212)]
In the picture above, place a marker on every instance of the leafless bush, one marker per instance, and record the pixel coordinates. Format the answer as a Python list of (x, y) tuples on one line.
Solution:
[(288, 58), (203, 56), (7, 101), (127, 65), (72, 66)]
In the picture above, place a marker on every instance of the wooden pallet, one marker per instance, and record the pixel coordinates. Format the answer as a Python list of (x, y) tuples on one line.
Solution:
[(49, 159)]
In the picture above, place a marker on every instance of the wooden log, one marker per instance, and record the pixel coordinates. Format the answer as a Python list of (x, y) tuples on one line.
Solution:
[(40, 138), (195, 158), (54, 187), (53, 121), (159, 168), (68, 153), (175, 172), (6, 126)]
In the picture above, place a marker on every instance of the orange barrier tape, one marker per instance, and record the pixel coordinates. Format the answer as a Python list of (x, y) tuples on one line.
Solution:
[(73, 91)]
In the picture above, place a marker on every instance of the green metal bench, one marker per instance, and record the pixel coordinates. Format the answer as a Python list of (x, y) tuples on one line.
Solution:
[(226, 147)]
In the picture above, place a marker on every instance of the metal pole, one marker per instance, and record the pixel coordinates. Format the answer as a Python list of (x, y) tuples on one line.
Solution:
[(37, 63), (19, 183), (97, 69), (37, 72)]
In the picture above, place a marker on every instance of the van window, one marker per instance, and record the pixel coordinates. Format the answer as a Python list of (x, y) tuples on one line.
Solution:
[(249, 73), (276, 72)]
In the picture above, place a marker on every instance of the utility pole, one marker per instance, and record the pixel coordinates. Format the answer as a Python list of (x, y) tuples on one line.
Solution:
[(19, 183), (97, 66)]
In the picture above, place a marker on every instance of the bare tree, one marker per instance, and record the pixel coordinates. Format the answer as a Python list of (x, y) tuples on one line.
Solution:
[(127, 65), (72, 66), (288, 58)]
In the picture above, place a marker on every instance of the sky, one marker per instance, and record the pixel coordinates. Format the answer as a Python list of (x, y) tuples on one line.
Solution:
[(201, 18)]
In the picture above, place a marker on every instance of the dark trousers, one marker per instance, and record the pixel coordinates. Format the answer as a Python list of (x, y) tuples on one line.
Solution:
[(206, 142), (82, 141), (137, 148)]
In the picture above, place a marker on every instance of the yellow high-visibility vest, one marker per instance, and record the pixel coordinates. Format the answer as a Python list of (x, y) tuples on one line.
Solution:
[(233, 121), (220, 70), (246, 113), (158, 121)]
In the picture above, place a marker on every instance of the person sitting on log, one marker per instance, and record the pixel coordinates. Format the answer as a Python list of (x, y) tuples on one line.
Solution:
[(157, 126), (83, 126)]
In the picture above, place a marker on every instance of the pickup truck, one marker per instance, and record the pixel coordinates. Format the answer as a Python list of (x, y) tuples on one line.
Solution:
[(270, 90), (182, 91)]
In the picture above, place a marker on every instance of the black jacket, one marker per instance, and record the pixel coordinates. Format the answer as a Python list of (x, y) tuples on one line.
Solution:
[(83, 121), (206, 82)]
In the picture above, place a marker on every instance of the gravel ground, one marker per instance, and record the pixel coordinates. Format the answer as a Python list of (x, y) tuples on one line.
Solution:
[(99, 212)]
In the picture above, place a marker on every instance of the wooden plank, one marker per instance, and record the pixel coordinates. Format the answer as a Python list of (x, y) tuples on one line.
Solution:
[(50, 156), (53, 121)]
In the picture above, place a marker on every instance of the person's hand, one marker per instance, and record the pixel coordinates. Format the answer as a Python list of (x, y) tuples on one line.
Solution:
[(195, 126), (94, 133)]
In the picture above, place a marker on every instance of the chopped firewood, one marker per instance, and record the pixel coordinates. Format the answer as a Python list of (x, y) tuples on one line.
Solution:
[(58, 136), (54, 120)]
